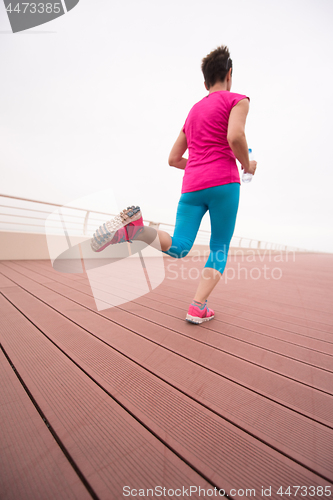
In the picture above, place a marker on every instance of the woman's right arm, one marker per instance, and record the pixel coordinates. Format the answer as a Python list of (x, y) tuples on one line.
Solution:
[(178, 149), (236, 135)]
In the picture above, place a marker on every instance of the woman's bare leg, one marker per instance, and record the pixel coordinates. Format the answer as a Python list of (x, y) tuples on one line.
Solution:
[(156, 238), (209, 279), (165, 240), (161, 240)]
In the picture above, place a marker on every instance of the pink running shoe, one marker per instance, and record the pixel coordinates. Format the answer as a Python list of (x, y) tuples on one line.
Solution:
[(124, 227), (198, 313)]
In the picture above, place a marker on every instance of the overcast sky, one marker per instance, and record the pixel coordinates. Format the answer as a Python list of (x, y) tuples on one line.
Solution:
[(96, 98)]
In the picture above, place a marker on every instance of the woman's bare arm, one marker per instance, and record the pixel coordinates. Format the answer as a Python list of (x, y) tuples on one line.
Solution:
[(236, 133), (176, 155)]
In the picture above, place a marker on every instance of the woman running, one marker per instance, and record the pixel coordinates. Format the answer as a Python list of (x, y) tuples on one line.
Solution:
[(214, 134)]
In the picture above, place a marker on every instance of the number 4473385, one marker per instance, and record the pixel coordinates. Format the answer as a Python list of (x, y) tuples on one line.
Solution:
[(303, 491), (33, 8)]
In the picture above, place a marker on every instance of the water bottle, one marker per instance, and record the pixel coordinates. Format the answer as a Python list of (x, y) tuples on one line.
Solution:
[(247, 177)]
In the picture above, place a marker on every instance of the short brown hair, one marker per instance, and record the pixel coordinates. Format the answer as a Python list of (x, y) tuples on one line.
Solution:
[(216, 65)]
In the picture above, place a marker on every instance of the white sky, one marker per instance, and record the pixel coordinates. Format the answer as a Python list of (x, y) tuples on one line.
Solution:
[(96, 98)]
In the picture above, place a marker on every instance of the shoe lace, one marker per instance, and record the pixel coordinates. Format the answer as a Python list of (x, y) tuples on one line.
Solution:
[(117, 221)]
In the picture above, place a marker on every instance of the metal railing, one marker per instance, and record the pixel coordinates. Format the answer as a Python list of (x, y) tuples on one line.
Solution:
[(28, 215)]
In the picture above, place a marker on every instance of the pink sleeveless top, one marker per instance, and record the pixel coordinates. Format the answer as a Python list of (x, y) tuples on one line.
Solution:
[(211, 161)]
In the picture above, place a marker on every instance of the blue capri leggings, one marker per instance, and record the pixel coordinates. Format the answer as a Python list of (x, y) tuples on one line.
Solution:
[(222, 203)]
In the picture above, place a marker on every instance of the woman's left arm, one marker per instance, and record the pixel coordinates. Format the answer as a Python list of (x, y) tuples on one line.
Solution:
[(176, 155)]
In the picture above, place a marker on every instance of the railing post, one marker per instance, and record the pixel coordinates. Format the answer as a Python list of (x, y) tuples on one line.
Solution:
[(85, 224)]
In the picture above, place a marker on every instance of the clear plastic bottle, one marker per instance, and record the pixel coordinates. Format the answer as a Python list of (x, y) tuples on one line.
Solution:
[(247, 177)]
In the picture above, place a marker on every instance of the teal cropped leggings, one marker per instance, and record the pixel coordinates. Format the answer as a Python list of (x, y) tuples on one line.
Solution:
[(222, 204)]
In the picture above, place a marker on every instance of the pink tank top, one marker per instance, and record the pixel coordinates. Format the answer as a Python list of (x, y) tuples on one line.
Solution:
[(211, 161)]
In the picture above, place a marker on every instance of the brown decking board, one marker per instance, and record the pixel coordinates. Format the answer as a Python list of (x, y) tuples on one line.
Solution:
[(32, 464), (243, 401)]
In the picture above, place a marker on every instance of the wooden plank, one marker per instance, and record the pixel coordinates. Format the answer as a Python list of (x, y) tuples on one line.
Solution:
[(32, 465)]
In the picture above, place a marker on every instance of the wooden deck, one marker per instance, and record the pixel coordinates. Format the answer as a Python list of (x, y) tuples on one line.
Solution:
[(134, 396)]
